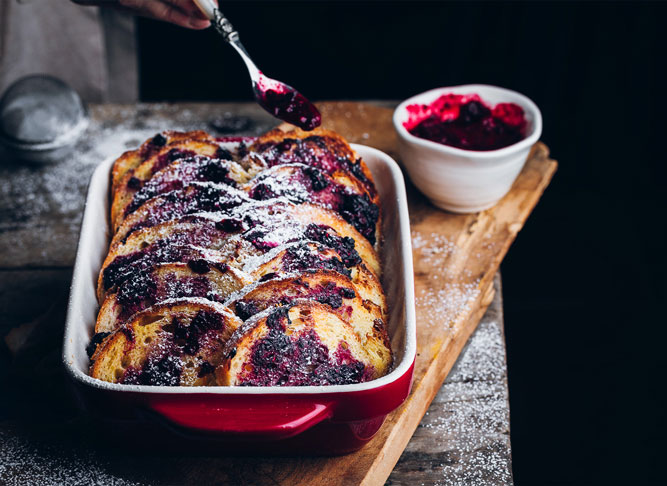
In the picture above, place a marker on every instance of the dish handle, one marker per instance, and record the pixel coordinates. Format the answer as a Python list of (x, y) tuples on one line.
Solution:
[(266, 419)]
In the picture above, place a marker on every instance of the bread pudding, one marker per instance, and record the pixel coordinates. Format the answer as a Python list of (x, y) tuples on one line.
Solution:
[(247, 265)]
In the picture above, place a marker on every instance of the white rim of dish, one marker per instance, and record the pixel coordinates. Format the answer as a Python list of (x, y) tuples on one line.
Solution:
[(428, 96), (410, 350)]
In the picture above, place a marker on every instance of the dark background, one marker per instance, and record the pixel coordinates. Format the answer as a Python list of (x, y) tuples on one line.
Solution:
[(584, 281)]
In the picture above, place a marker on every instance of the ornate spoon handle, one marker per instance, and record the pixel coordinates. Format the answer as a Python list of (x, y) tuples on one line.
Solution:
[(224, 26), (276, 97), (229, 33)]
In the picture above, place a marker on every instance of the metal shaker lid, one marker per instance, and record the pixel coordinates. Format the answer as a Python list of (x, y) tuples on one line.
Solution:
[(41, 112)]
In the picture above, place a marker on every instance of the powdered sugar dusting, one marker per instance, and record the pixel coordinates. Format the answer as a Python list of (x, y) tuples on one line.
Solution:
[(443, 306), (280, 181), (454, 292), (22, 462), (476, 424), (30, 195), (468, 421)]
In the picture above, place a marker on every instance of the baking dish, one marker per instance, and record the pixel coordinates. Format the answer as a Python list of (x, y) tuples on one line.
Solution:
[(316, 419)]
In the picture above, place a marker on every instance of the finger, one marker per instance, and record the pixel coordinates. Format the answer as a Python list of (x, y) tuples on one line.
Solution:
[(162, 11), (186, 6), (196, 18), (189, 7)]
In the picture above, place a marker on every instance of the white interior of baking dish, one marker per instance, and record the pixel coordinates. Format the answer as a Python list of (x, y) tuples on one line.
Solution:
[(397, 280)]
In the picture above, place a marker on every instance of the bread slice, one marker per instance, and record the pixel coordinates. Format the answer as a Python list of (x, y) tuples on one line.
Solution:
[(177, 342), (298, 256), (193, 198), (320, 222), (319, 148), (331, 289), (133, 158), (203, 274), (172, 242), (299, 345), (243, 233), (184, 172), (339, 191), (308, 257), (133, 180), (196, 278)]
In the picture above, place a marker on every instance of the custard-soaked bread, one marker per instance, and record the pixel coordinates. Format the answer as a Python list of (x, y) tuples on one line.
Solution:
[(327, 228), (172, 242), (197, 278), (325, 286), (181, 172), (178, 342), (319, 148), (133, 158), (299, 345), (184, 172), (296, 257), (340, 192), (133, 180), (329, 288), (129, 266), (242, 233), (308, 256), (193, 198), (204, 273)]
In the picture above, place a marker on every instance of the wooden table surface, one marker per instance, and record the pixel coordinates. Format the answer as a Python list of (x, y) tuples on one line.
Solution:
[(463, 439)]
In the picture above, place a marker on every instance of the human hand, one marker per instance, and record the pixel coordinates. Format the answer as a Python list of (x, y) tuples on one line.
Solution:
[(179, 12)]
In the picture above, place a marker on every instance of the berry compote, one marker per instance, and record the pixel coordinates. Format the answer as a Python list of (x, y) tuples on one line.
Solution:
[(287, 104), (467, 122)]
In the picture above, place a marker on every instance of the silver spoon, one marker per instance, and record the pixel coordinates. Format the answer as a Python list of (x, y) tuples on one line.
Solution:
[(276, 97)]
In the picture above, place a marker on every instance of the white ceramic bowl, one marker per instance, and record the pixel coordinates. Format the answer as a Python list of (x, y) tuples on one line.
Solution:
[(465, 181)]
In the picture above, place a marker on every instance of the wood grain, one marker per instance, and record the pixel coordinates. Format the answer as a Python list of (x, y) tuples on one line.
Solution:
[(464, 437)]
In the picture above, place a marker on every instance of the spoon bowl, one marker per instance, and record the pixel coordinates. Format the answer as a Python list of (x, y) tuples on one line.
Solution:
[(286, 103)]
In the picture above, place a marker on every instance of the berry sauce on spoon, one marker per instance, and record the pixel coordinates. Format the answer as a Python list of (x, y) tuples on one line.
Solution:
[(286, 103)]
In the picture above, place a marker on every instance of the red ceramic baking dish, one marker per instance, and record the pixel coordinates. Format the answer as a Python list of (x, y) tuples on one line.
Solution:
[(313, 419)]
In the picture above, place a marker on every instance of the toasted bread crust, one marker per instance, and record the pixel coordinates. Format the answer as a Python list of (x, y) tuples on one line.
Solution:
[(132, 180), (131, 159), (275, 143), (306, 343), (194, 197), (331, 289), (339, 191), (177, 342), (197, 278), (293, 222)]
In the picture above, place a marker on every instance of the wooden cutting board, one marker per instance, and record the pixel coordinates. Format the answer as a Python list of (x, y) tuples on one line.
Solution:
[(455, 259)]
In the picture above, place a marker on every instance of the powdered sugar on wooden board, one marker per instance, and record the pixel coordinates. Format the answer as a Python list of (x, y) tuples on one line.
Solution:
[(23, 462), (32, 194), (441, 304), (463, 439), (442, 307), (476, 421)]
